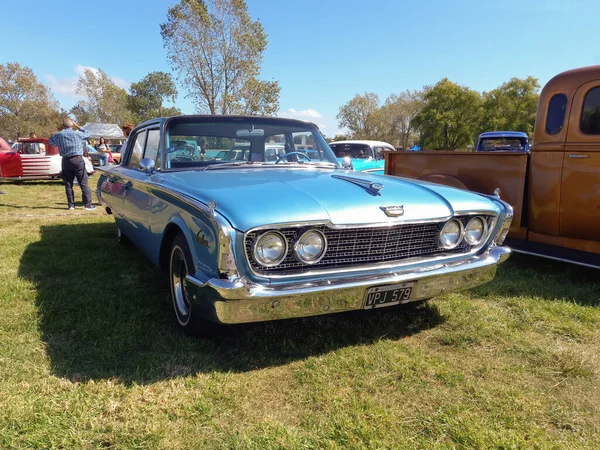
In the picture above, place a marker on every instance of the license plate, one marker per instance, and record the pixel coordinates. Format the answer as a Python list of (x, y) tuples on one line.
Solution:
[(380, 296)]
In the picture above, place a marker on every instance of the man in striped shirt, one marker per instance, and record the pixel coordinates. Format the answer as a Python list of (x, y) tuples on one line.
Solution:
[(70, 146)]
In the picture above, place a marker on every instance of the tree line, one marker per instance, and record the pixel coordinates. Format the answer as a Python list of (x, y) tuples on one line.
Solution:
[(215, 50), (443, 116), (27, 105)]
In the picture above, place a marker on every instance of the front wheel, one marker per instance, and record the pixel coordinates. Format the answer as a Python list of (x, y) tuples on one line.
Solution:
[(180, 265)]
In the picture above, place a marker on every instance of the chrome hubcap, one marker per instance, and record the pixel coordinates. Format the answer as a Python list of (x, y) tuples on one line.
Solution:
[(181, 302)]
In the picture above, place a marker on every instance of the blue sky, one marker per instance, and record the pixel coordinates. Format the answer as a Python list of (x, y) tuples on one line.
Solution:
[(321, 52)]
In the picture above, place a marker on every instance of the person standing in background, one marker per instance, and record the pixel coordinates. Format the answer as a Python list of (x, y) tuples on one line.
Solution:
[(70, 146), (103, 152)]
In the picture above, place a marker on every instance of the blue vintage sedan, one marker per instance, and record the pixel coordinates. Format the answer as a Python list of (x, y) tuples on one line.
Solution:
[(261, 239), (364, 155)]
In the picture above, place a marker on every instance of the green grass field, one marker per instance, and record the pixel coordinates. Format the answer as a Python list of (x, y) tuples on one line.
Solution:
[(90, 356)]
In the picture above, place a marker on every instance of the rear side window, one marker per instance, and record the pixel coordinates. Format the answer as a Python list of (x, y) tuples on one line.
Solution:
[(556, 113), (590, 116)]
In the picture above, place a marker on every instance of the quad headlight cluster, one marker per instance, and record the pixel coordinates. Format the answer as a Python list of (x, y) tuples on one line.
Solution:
[(454, 232), (271, 248)]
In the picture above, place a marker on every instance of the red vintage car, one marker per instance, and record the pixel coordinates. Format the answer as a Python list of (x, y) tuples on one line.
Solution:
[(32, 159)]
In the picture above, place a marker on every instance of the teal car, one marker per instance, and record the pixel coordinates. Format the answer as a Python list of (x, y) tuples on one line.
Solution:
[(365, 156), (285, 231)]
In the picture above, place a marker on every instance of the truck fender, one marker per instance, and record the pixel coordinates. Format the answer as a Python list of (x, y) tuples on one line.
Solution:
[(442, 178)]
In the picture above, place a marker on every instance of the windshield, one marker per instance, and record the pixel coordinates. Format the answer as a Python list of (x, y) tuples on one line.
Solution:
[(354, 151), (223, 142), (512, 144)]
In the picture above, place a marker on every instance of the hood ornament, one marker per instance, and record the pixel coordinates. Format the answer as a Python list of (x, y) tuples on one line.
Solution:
[(371, 187), (393, 211)]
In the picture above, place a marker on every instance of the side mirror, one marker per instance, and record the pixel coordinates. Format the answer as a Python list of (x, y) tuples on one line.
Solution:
[(147, 166), (347, 163)]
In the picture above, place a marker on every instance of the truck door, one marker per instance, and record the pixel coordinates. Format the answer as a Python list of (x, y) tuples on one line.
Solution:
[(580, 187)]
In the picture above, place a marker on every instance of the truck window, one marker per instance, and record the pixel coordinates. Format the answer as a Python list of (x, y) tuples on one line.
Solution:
[(590, 115), (557, 108)]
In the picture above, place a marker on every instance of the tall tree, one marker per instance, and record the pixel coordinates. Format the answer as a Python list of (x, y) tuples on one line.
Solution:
[(103, 101), (450, 117), (359, 116), (397, 118), (258, 98), (217, 48), (148, 95), (26, 105), (511, 106)]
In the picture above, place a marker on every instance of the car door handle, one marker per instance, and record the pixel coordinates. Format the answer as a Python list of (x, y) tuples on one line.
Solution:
[(128, 185), (577, 156)]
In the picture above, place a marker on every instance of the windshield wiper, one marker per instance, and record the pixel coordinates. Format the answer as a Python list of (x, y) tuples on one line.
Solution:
[(233, 164), (308, 163)]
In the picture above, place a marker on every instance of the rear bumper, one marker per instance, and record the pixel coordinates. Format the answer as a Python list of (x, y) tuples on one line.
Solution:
[(238, 302)]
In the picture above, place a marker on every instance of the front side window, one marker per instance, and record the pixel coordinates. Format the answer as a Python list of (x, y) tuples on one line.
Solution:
[(137, 149), (152, 146), (255, 142), (590, 115), (557, 108)]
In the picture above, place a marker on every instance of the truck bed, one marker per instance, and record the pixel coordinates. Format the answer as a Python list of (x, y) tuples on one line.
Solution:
[(476, 171)]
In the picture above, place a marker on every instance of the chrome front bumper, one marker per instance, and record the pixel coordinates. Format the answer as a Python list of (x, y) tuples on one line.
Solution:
[(238, 302)]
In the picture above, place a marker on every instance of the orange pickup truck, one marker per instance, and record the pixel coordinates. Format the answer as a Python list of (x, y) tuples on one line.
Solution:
[(554, 189)]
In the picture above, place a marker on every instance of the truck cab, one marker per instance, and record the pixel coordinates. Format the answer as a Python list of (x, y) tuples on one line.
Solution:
[(554, 189)]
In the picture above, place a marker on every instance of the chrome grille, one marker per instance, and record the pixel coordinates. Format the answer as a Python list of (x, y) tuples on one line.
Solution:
[(350, 247)]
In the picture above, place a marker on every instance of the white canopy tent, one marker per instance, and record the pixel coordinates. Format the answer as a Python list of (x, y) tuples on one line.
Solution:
[(109, 131)]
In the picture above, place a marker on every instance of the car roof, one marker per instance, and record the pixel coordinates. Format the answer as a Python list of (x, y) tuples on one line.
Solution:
[(503, 134), (364, 142), (213, 117)]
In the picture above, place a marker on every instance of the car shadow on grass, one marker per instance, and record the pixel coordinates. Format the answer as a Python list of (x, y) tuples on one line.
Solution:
[(105, 313), (532, 276)]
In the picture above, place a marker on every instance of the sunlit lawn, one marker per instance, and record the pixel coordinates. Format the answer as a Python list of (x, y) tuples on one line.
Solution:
[(90, 358)]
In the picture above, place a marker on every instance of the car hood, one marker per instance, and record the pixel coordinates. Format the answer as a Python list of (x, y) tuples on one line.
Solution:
[(248, 198)]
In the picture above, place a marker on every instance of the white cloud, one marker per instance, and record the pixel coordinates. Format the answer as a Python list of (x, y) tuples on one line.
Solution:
[(302, 114), (67, 86), (310, 115)]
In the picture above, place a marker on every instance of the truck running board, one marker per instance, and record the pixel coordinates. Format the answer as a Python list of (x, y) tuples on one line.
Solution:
[(563, 254)]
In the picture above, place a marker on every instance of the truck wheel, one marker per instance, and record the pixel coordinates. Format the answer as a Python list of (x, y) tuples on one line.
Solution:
[(180, 265)]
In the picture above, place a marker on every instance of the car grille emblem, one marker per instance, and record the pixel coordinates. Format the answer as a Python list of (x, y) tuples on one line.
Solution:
[(393, 211)]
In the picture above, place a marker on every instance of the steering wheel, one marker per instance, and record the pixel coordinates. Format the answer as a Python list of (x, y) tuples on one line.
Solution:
[(284, 156)]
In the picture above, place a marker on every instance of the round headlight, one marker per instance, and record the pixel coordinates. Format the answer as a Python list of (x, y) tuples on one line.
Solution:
[(270, 249), (475, 231), (310, 247), (451, 234)]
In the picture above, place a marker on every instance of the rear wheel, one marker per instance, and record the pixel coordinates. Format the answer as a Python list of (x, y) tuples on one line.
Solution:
[(121, 238), (180, 265)]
